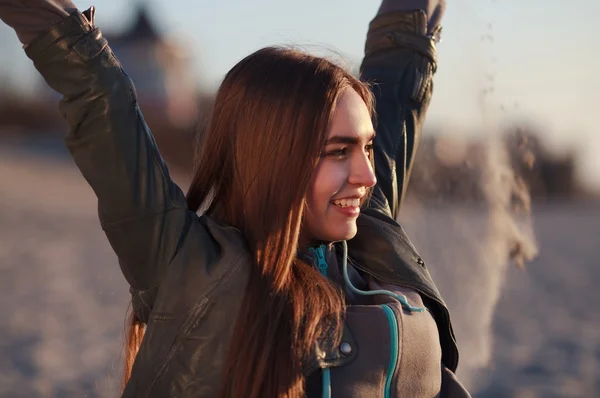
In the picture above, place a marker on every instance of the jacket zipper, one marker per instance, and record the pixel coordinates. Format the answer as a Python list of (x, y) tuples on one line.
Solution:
[(321, 261), (393, 323)]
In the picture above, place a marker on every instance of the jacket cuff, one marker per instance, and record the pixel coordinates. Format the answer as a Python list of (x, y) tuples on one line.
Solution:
[(401, 29), (72, 34)]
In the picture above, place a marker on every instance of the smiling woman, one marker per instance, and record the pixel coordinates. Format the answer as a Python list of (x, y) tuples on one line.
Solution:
[(262, 295)]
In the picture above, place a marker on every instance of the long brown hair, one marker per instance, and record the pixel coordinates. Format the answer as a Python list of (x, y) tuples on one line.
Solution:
[(134, 335), (256, 160)]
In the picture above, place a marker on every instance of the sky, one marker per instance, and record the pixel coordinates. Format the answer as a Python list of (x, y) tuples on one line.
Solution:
[(500, 61)]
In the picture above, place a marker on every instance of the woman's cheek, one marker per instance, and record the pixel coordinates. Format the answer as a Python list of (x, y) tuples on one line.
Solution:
[(329, 179)]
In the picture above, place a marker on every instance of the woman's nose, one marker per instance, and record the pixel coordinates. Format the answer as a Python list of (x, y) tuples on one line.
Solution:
[(362, 173)]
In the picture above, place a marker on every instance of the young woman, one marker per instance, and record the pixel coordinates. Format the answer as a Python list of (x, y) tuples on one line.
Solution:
[(297, 280)]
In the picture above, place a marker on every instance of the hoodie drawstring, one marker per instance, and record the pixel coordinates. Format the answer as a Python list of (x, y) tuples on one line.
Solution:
[(400, 297)]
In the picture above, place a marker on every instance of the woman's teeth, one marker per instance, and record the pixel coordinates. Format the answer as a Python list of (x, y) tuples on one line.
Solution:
[(347, 202)]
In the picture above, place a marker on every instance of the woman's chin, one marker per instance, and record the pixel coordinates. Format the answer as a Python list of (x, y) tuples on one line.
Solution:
[(330, 232), (340, 234)]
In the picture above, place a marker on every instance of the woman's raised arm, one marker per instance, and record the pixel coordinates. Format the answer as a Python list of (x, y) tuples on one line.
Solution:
[(142, 211), (400, 60)]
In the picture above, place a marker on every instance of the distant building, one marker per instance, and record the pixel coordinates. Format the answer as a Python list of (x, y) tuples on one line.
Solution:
[(161, 70)]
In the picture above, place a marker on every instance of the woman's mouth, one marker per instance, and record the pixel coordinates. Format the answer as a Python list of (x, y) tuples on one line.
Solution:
[(354, 202), (350, 207)]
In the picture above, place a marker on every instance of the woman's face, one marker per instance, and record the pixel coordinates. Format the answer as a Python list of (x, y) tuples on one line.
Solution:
[(344, 173)]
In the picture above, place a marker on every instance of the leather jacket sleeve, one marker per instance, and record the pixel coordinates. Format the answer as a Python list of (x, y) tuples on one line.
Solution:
[(399, 63), (142, 211), (29, 18)]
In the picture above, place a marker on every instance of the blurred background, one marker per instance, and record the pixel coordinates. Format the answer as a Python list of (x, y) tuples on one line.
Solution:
[(503, 203)]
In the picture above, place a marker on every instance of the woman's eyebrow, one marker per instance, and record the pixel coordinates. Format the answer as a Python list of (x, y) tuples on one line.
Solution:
[(343, 139)]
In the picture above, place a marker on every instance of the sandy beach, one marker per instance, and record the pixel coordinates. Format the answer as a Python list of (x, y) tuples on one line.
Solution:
[(522, 333)]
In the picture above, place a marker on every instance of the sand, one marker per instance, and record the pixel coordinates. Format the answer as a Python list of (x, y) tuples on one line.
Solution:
[(522, 333)]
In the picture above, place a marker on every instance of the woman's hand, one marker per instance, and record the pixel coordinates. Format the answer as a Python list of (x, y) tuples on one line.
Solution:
[(29, 18)]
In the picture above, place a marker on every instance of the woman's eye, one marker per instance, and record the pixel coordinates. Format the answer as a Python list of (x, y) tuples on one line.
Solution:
[(369, 149), (338, 153)]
